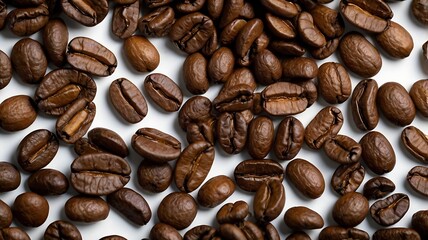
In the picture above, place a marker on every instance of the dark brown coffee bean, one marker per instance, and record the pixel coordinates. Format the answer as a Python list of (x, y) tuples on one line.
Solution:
[(125, 19), (329, 21), (195, 110), (113, 237), (269, 201), (99, 173), (10, 177), (141, 53), (348, 177), (203, 131), (279, 27), (106, 140), (87, 55), (251, 231), (334, 83), (306, 177), (62, 230), (325, 51), (86, 12), (419, 9), (378, 187), (162, 231), (396, 41), (363, 105), (310, 91), (396, 233), (48, 182), (302, 218), (156, 3), (37, 150), (289, 138), (75, 121), (298, 236), (359, 55), (17, 113), (350, 209), (287, 48), (416, 142), (418, 179), (233, 212), (299, 68), (83, 208), (377, 153), (282, 8), (215, 191), (284, 98), (200, 232), (267, 67), (390, 210), (418, 93), (28, 60), (230, 11), (231, 130), (164, 92), (236, 98), (309, 32), (14, 233), (270, 232), (60, 88), (220, 65), (26, 21), (229, 32), (420, 223), (157, 22), (240, 76), (229, 231), (177, 209), (6, 216), (325, 125), (250, 174), (189, 7), (195, 73), (260, 137), (131, 204), (5, 69), (342, 149), (154, 177), (28, 203), (193, 166), (247, 36), (214, 8), (55, 40), (340, 233), (3, 14), (396, 104)]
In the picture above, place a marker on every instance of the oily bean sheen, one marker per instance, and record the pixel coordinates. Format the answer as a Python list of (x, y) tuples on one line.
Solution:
[(102, 140), (17, 113), (48, 182), (309, 32), (334, 83), (343, 149), (269, 201), (251, 230), (231, 130), (26, 21), (325, 125), (396, 41), (420, 223), (287, 48), (284, 98), (195, 73), (86, 12), (270, 232), (200, 232), (247, 37), (418, 179), (281, 8), (416, 142), (163, 91), (14, 233), (233, 212), (158, 22), (125, 19), (377, 153), (5, 215), (83, 208), (87, 55), (26, 205), (55, 40), (299, 68), (340, 233), (10, 177), (396, 104), (236, 98), (302, 218), (419, 94), (419, 9), (281, 28), (131, 205), (220, 65), (396, 233), (62, 230), (260, 137), (329, 21), (359, 55), (229, 231), (195, 110), (363, 105), (29, 60), (154, 177), (289, 138), (141, 53), (390, 210), (250, 174), (215, 191), (267, 67), (307, 178), (348, 177), (37, 150), (5, 69), (162, 231), (378, 187), (177, 209), (350, 209)]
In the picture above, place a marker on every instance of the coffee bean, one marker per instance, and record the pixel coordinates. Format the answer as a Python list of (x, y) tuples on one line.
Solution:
[(419, 8), (6, 216), (287, 48), (350, 209), (233, 212), (377, 153), (87, 12), (82, 208), (154, 177), (164, 92), (334, 83), (156, 3), (220, 65), (10, 177), (240, 76), (251, 230), (289, 138), (17, 112), (236, 98), (157, 22), (30, 209), (177, 209), (279, 27), (325, 125), (3, 14), (164, 231), (200, 232), (329, 21), (125, 19), (306, 177), (418, 179), (310, 91), (267, 67), (299, 68), (26, 21), (348, 177), (14, 233), (343, 149), (309, 32), (231, 130), (378, 187), (229, 231), (55, 40), (325, 51), (5, 70), (298, 236), (420, 223), (130, 204), (339, 233), (390, 210), (363, 105), (270, 232), (281, 8), (415, 141), (396, 233), (215, 191), (195, 110), (29, 60), (48, 182), (113, 237), (230, 11), (250, 174), (303, 218), (141, 53), (195, 73), (61, 229), (284, 98), (203, 131), (246, 38), (418, 93), (260, 137), (396, 41), (103, 140), (269, 201), (230, 31)]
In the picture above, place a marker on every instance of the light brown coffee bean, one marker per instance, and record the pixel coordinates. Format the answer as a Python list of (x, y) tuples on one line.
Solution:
[(141, 53)]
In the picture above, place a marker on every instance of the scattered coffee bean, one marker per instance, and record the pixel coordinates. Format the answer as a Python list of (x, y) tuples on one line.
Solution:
[(390, 210), (6, 216), (378, 187), (420, 223), (306, 177), (26, 205), (10, 177), (17, 112), (350, 209), (302, 218), (177, 209), (61, 229), (82, 208), (396, 233), (250, 174), (418, 179), (348, 177), (48, 182)]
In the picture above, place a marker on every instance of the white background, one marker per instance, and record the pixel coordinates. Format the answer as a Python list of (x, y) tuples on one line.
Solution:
[(405, 71)]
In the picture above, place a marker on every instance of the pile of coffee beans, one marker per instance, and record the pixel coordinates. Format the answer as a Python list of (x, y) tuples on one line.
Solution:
[(261, 111)]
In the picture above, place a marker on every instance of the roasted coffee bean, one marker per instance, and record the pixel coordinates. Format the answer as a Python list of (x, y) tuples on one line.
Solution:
[(306, 177), (125, 19), (10, 177), (310, 91), (29, 60), (37, 150), (3, 14), (233, 212), (270, 232), (154, 177), (329, 21), (396, 41), (156, 3), (87, 55), (26, 21), (396, 104), (250, 174), (17, 112), (61, 229), (420, 223), (193, 166), (396, 233), (339, 233), (302, 218), (195, 110), (161, 231), (309, 32), (348, 177), (416, 142), (359, 55), (214, 8), (287, 48), (124, 1), (164, 92), (377, 153), (215, 191), (26, 205), (289, 138), (240, 76), (279, 27), (425, 50), (342, 149), (419, 9), (86, 12), (334, 83), (231, 130), (282, 8), (60, 88), (141, 53), (325, 125), (251, 230), (284, 98), (299, 68), (203, 131), (130, 204), (378, 187), (5, 69), (390, 210), (113, 237), (99, 173), (363, 105), (229, 32), (14, 233), (298, 236), (418, 93), (177, 209), (220, 65), (102, 140), (418, 179), (75, 121), (189, 7), (200, 232), (350, 209), (48, 182), (236, 98), (195, 73), (157, 22), (229, 231), (269, 201), (230, 11), (247, 36), (267, 67), (83, 208), (260, 137), (5, 215), (325, 51), (55, 40)]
